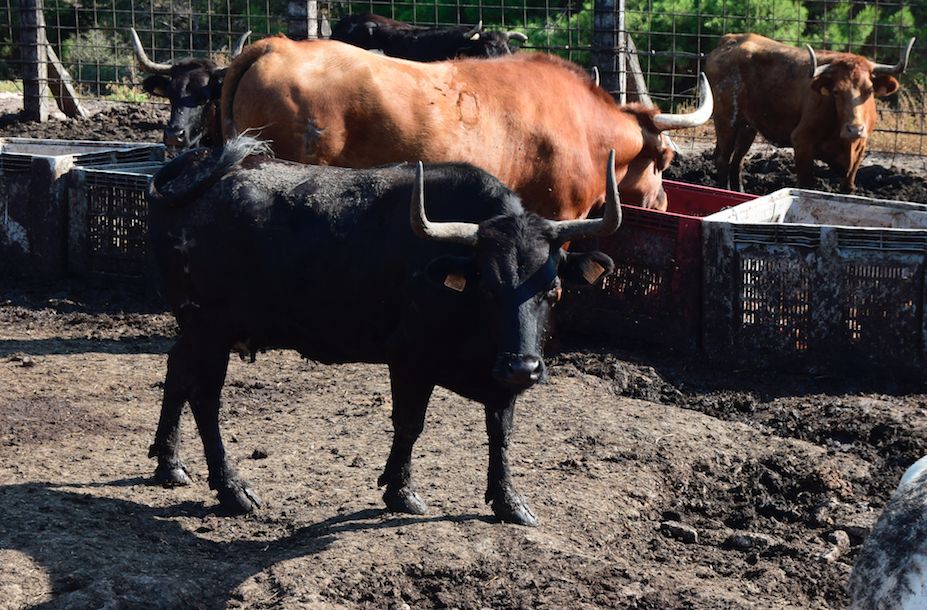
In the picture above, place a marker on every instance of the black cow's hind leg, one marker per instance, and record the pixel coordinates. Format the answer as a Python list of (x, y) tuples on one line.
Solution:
[(507, 505), (171, 470), (410, 401), (235, 495)]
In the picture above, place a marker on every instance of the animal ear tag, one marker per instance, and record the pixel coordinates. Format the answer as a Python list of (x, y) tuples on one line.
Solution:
[(592, 271), (456, 282)]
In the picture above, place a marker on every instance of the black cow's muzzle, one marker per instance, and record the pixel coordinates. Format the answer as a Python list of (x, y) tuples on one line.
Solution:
[(518, 370)]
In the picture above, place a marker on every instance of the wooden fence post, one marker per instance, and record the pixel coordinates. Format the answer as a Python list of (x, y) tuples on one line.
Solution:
[(35, 66)]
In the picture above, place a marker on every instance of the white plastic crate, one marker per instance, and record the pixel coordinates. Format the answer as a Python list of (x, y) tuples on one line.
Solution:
[(808, 277)]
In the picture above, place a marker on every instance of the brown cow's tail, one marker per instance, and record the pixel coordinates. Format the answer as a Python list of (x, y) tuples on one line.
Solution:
[(233, 76), (191, 174)]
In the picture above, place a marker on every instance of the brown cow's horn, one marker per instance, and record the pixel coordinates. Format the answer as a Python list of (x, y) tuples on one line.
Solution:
[(567, 230), (595, 75), (517, 36), (236, 50), (143, 61), (690, 119), (898, 68), (474, 34), (816, 70), (454, 232)]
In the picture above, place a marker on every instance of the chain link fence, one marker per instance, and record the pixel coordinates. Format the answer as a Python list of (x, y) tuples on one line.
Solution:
[(667, 38)]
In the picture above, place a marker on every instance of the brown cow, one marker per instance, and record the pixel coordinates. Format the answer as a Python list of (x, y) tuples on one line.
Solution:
[(821, 104), (536, 122)]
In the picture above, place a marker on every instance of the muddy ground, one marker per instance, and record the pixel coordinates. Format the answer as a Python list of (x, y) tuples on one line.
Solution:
[(660, 483)]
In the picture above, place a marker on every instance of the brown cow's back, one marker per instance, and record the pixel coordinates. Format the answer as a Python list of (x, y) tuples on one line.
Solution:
[(536, 122)]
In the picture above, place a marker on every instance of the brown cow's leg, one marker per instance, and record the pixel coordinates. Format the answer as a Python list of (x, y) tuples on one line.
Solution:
[(171, 470), (235, 495), (848, 185), (410, 402), (745, 137), (804, 157), (726, 135), (507, 505)]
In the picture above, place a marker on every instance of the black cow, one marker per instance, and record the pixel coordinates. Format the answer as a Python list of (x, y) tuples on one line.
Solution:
[(193, 87), (398, 39), (257, 253)]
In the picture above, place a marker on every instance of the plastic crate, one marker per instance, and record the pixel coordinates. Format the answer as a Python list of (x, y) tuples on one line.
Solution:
[(802, 277), (108, 231), (33, 209), (654, 294)]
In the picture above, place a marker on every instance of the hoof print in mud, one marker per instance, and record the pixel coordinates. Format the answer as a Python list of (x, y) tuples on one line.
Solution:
[(404, 500)]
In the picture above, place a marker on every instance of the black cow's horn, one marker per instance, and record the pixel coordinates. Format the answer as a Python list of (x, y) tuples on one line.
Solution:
[(474, 34), (517, 36), (689, 119), (236, 50), (566, 230), (455, 232), (898, 68), (143, 61)]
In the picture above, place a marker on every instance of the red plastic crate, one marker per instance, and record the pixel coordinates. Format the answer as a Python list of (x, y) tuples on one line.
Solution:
[(654, 294)]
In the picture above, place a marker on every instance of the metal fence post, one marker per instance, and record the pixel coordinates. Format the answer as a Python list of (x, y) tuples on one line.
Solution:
[(35, 66), (302, 19), (604, 43)]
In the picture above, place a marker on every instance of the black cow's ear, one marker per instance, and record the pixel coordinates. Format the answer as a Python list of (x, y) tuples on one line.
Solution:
[(455, 273), (580, 269), (215, 83), (156, 84)]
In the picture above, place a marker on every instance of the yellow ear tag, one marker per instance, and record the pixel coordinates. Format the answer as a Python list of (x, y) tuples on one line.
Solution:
[(593, 271), (455, 282)]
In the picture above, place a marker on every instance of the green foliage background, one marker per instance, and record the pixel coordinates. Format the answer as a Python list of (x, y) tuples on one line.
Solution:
[(91, 36)]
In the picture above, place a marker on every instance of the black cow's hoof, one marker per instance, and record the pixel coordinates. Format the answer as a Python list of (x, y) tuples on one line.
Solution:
[(238, 499), (509, 507), (404, 500), (171, 475)]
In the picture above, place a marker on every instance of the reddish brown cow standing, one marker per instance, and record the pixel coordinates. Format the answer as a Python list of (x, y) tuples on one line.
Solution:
[(821, 104), (536, 122)]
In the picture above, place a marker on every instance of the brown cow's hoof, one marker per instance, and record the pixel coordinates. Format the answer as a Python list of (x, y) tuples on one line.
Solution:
[(509, 507), (171, 475), (238, 499), (404, 500)]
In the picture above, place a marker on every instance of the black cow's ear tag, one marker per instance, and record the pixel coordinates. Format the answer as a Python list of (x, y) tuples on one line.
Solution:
[(455, 281), (592, 271)]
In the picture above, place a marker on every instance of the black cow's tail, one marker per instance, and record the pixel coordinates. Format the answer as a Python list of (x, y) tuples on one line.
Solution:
[(188, 176)]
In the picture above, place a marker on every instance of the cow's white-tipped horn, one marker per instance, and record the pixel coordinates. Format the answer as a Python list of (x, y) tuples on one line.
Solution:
[(474, 34), (517, 36), (595, 75), (697, 117), (567, 230), (816, 70), (898, 68), (236, 50), (455, 232), (143, 61)]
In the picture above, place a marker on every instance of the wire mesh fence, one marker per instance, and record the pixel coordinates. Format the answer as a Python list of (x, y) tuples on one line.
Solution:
[(670, 38)]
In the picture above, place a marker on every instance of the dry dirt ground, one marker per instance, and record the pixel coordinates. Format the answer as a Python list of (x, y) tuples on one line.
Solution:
[(659, 483)]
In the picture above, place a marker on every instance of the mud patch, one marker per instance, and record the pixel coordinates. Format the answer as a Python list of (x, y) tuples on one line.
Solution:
[(765, 172)]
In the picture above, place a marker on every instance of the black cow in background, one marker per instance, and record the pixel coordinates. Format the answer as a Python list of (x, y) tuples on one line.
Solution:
[(193, 87), (417, 43), (257, 253)]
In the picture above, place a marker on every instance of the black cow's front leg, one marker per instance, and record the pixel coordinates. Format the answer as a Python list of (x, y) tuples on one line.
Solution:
[(507, 505), (171, 470), (235, 495), (410, 401)]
